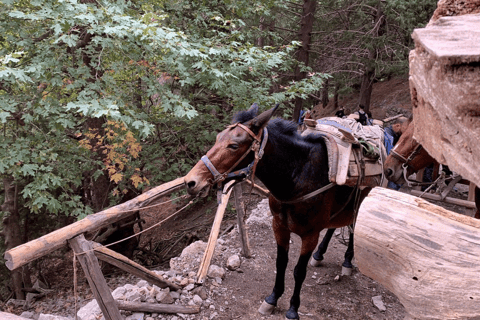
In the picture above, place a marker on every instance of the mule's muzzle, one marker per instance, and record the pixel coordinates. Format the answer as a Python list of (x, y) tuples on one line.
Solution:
[(194, 189)]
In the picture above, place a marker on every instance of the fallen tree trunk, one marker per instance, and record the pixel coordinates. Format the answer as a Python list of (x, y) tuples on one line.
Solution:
[(427, 256), (39, 247), (156, 308)]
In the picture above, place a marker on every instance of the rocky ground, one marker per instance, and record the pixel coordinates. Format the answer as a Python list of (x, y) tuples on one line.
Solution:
[(236, 286)]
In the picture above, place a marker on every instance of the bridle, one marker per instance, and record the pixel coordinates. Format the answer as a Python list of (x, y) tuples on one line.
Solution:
[(407, 163), (257, 146)]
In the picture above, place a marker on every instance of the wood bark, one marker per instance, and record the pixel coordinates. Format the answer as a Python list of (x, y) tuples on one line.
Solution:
[(369, 72), (156, 308), (11, 230), (37, 248), (122, 262), (212, 239), (305, 35), (427, 256), (444, 86), (242, 231), (84, 251)]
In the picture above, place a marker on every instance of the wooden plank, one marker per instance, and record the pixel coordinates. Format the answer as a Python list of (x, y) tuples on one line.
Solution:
[(122, 262), (240, 208), (212, 240), (156, 308), (427, 256), (84, 251), (458, 202), (10, 316), (48, 243)]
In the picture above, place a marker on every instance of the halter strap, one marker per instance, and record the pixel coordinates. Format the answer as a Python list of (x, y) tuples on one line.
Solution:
[(257, 146)]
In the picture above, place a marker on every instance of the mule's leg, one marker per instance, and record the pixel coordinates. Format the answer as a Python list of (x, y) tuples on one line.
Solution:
[(282, 236), (347, 264), (300, 272), (317, 257)]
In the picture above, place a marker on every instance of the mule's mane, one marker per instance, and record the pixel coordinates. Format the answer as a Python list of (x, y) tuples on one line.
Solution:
[(283, 131)]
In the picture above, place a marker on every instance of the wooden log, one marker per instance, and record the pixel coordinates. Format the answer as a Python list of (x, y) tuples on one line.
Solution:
[(10, 316), (156, 308), (427, 256), (444, 81), (458, 202), (242, 231), (262, 191), (84, 251), (212, 240), (122, 262), (48, 243)]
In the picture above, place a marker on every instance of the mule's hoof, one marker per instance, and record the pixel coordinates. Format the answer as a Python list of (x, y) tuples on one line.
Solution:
[(266, 308), (291, 315), (346, 271), (315, 263)]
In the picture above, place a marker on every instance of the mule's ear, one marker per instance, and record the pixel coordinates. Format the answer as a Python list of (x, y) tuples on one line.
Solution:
[(253, 109), (262, 119)]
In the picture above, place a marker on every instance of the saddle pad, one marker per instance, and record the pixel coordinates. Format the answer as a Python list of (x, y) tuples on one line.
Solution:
[(346, 132)]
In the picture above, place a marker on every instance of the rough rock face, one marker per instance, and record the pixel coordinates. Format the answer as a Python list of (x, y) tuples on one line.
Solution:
[(444, 82), (447, 8)]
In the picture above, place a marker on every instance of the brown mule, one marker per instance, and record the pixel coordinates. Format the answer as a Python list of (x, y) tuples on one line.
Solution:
[(408, 156), (291, 166)]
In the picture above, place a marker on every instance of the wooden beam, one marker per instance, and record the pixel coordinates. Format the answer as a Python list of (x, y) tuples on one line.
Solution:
[(458, 202), (84, 252), (427, 256), (240, 208), (57, 239), (122, 262), (156, 308), (212, 240), (262, 191)]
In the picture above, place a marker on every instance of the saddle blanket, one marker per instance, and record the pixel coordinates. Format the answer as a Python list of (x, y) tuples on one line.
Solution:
[(348, 133)]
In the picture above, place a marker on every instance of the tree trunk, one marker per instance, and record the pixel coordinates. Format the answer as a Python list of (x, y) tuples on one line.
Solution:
[(335, 96), (369, 72), (325, 93), (261, 39), (11, 230), (306, 24)]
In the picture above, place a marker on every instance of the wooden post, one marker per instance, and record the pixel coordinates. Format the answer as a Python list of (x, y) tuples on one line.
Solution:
[(240, 207), (436, 197), (84, 252), (419, 178), (157, 307), (471, 197), (122, 262), (427, 256), (212, 240), (39, 247)]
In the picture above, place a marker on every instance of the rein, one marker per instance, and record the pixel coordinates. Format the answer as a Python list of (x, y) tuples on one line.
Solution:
[(406, 162), (257, 146)]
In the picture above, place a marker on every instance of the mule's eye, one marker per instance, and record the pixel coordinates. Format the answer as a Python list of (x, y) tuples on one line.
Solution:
[(233, 146)]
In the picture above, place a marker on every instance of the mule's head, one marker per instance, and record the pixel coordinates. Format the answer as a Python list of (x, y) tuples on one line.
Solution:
[(231, 145), (407, 155)]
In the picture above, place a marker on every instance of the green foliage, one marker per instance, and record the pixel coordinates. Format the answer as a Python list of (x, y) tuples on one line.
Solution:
[(152, 67)]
